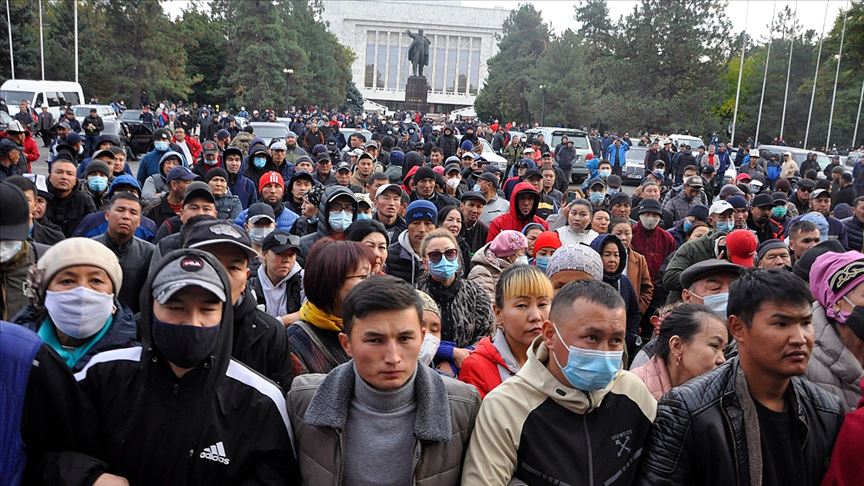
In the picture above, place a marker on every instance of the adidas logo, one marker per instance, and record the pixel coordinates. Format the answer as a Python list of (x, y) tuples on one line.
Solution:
[(216, 453)]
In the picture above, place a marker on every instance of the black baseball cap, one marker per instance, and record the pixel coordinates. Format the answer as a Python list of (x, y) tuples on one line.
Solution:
[(198, 189), (213, 232), (472, 195), (281, 241), (259, 211)]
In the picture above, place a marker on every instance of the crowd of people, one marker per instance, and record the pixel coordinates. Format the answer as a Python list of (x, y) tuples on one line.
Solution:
[(398, 310)]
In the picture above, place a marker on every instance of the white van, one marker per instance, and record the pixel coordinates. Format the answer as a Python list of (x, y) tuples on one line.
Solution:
[(56, 94)]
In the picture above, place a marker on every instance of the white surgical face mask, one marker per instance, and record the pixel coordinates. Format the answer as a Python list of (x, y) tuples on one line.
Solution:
[(454, 182), (428, 348), (521, 260), (79, 313), (9, 248)]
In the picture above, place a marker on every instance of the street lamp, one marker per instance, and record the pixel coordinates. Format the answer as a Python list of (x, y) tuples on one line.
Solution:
[(543, 106), (287, 72)]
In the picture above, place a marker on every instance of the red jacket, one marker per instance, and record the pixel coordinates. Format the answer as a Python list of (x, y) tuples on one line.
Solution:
[(655, 246), (481, 367), (845, 467), (194, 147), (31, 149), (512, 220)]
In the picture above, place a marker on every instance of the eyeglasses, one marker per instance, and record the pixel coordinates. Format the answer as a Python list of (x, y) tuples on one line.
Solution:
[(363, 276), (435, 256), (805, 189)]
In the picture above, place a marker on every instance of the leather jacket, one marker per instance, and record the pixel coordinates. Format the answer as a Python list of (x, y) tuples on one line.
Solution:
[(705, 427)]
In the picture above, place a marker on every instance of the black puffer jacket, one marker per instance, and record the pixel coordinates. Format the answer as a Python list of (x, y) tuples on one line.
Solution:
[(700, 433), (260, 341), (134, 257)]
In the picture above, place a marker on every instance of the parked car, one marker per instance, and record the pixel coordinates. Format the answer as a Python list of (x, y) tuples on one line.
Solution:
[(140, 137), (681, 140), (130, 116), (5, 118), (491, 156), (634, 169), (104, 111), (56, 94), (269, 131), (350, 131), (800, 155), (552, 137)]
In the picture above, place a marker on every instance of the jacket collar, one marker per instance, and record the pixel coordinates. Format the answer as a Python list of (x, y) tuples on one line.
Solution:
[(329, 407)]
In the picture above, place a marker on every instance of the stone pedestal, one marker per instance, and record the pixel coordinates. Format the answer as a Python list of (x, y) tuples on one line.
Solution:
[(416, 94)]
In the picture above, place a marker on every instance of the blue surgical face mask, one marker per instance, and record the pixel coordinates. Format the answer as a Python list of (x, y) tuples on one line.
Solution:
[(340, 221), (97, 183), (257, 235), (659, 172), (725, 226), (444, 268), (541, 262), (604, 173), (613, 190), (589, 369), (687, 225), (717, 303), (363, 216), (596, 197), (259, 162), (476, 188), (161, 146)]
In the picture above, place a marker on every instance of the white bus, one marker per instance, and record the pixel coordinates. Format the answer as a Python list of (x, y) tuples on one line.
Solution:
[(56, 94)]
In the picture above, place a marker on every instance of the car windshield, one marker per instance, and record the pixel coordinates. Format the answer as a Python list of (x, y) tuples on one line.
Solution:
[(130, 115), (694, 143), (270, 131), (823, 161), (81, 111), (5, 118), (637, 153), (14, 98), (579, 141)]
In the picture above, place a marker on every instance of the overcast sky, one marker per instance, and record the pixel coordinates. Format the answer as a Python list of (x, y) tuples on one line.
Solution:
[(559, 13)]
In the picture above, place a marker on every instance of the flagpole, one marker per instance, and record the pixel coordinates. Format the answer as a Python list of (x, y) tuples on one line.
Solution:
[(858, 117), (765, 76), (815, 76), (9, 28), (41, 42), (740, 72), (789, 69), (75, 9), (836, 76)]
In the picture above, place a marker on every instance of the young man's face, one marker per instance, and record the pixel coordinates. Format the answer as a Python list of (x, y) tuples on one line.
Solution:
[(526, 204), (365, 166), (385, 346), (272, 193), (343, 177), (472, 209), (779, 339), (62, 175), (802, 241), (388, 204), (236, 265), (232, 164), (123, 218)]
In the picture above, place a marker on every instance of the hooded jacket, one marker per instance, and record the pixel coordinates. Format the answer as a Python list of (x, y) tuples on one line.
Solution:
[(618, 280), (281, 298), (255, 173), (486, 367), (832, 365), (402, 262), (149, 164), (156, 183), (319, 406), (324, 229), (260, 341), (486, 269), (67, 213), (707, 431), (595, 438), (243, 187), (285, 218), (13, 280), (448, 143), (513, 220), (221, 423)]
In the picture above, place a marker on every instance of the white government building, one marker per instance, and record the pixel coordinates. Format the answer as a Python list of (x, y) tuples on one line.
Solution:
[(462, 39)]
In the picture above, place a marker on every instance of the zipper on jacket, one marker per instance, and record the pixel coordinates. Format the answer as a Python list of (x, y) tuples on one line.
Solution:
[(734, 449), (340, 464), (588, 441)]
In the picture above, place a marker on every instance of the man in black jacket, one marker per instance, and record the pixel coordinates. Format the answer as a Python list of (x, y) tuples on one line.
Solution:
[(134, 254), (179, 406), (69, 204), (755, 419), (259, 339)]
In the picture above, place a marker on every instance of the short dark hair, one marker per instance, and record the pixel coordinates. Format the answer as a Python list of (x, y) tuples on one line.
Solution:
[(753, 288), (691, 167), (328, 263), (802, 225), (604, 161), (377, 294), (436, 150), (685, 322), (592, 291), (377, 176), (858, 200), (125, 196), (362, 228)]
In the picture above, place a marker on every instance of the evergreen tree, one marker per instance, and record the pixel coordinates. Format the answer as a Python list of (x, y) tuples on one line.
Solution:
[(353, 99), (511, 70), (25, 40)]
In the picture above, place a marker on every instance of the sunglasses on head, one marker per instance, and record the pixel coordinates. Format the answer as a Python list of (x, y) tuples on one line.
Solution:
[(435, 256)]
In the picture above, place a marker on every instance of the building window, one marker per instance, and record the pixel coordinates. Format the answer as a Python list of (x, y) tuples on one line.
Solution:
[(440, 61), (393, 61), (452, 52), (462, 73), (381, 60), (405, 63), (369, 80), (475, 67)]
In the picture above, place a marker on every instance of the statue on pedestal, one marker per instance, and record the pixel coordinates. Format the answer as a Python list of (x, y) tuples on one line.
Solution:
[(418, 52)]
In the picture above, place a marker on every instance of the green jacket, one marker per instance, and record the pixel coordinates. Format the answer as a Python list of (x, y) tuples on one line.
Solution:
[(688, 254)]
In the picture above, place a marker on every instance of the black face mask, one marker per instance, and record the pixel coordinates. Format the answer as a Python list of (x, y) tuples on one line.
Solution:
[(184, 345), (855, 321)]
